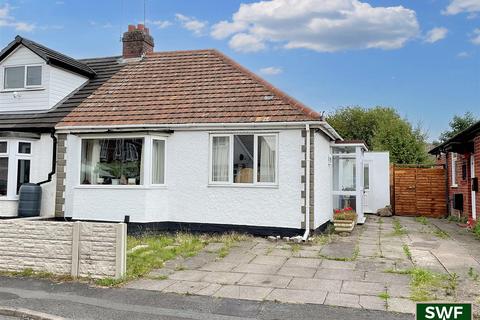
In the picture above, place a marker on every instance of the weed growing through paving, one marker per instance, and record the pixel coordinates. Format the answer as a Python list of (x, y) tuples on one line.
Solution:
[(29, 272), (398, 229), (295, 247), (407, 252), (473, 274), (384, 295), (441, 234), (422, 220)]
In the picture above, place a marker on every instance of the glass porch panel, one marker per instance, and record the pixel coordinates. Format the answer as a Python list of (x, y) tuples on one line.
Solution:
[(344, 201), (344, 150), (344, 173)]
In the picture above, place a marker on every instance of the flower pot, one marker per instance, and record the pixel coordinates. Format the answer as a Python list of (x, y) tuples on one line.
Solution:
[(343, 225)]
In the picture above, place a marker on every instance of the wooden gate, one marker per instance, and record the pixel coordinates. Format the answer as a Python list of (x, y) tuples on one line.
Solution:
[(418, 191)]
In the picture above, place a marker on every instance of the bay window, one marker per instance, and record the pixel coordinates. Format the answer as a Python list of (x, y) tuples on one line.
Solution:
[(243, 159), (21, 77), (15, 165), (123, 161)]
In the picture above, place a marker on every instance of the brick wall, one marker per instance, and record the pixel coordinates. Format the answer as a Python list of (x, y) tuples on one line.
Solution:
[(477, 170), (83, 249), (463, 185)]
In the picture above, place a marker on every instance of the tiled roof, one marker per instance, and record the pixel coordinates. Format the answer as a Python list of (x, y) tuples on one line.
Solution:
[(104, 68), (50, 56), (185, 87)]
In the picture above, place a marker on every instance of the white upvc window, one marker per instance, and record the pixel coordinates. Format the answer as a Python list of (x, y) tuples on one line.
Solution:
[(454, 170), (22, 77), (15, 166), (123, 161), (244, 159)]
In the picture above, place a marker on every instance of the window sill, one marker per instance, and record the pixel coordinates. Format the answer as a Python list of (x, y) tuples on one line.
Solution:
[(22, 89), (454, 186), (5, 198), (265, 186), (121, 187)]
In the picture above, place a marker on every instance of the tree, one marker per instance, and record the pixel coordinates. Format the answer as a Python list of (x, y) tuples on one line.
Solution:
[(458, 124), (382, 129)]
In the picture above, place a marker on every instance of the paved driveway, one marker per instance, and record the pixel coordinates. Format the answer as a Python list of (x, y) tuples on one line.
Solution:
[(362, 270)]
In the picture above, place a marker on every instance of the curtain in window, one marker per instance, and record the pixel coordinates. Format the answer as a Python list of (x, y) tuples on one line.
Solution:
[(266, 158), (158, 162), (220, 158)]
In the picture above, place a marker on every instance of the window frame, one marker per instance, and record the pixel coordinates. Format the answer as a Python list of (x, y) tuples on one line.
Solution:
[(255, 182), (454, 162), (25, 68), (13, 159), (147, 157), (164, 139)]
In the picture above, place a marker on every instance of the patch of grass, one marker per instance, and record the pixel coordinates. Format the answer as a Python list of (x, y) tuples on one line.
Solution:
[(30, 273), (407, 252), (295, 247), (459, 219), (476, 230), (422, 220), (441, 234), (384, 295), (398, 229)]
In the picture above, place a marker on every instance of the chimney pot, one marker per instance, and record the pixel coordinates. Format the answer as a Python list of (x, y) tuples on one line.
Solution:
[(131, 27), (140, 26)]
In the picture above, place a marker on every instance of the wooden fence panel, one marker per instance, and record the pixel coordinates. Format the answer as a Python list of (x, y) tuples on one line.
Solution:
[(419, 191)]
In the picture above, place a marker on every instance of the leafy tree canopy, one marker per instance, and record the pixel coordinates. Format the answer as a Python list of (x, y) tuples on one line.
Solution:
[(382, 129), (458, 124)]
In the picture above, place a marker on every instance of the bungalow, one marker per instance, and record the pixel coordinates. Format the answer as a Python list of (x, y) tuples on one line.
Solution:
[(462, 160), (174, 139)]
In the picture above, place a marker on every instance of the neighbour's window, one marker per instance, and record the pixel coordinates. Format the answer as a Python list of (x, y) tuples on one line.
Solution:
[(24, 147), (112, 161), (244, 158), (19, 154), (366, 176), (3, 175), (23, 172), (158, 162), (454, 169), (22, 77)]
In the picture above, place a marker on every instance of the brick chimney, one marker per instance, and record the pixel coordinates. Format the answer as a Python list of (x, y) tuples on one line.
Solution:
[(136, 41)]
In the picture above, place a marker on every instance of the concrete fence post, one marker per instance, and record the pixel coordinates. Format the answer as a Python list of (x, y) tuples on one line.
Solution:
[(75, 248), (121, 250)]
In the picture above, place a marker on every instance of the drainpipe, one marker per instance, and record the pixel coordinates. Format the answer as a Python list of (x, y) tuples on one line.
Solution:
[(307, 184), (54, 159), (447, 169)]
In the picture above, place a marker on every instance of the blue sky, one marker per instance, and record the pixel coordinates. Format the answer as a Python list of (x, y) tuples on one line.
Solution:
[(421, 57)]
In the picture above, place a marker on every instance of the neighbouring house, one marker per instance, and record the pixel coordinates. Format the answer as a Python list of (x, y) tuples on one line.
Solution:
[(461, 155), (175, 139)]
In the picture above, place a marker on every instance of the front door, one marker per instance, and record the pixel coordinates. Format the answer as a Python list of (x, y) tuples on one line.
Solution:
[(474, 201), (366, 187)]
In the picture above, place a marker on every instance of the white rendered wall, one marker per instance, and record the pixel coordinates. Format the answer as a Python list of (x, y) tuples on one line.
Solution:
[(40, 167), (379, 194), (322, 180), (188, 196), (56, 84)]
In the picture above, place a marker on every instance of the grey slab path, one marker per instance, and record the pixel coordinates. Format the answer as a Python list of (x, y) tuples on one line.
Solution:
[(353, 271)]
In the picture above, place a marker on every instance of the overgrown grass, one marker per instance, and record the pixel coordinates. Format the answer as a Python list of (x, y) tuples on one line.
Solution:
[(425, 285), (154, 250), (422, 220), (476, 230), (398, 229), (457, 219), (407, 252)]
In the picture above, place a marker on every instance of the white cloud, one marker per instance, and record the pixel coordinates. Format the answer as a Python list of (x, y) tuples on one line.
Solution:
[(463, 54), (476, 37), (459, 6), (192, 24), (436, 34), (160, 24), (320, 25), (6, 20), (271, 71)]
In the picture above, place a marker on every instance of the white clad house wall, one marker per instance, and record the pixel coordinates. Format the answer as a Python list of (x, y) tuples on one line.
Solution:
[(379, 194), (187, 196), (322, 181), (57, 84)]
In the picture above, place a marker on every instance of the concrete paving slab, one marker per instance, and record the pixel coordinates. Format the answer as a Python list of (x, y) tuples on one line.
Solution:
[(306, 254), (373, 303), (148, 284), (399, 290), (388, 278), (316, 284), (257, 268), (269, 260), (280, 252), (223, 277), (333, 264), (339, 274), (219, 266), (343, 300), (243, 292), (339, 250), (401, 305), (363, 287), (262, 280), (297, 296), (163, 272), (214, 247), (238, 258), (297, 272), (303, 262), (188, 275), (184, 287), (210, 290)]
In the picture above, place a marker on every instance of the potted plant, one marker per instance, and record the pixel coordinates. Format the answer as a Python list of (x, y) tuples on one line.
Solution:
[(344, 220)]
